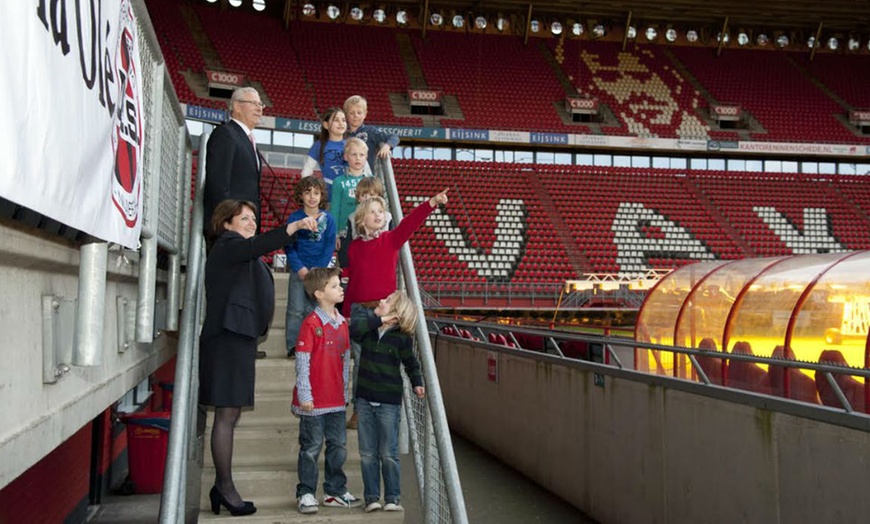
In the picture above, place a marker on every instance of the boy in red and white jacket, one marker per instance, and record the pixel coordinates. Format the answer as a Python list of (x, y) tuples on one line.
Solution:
[(321, 394)]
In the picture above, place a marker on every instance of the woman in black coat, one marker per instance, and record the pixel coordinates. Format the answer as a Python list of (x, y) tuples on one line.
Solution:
[(240, 300)]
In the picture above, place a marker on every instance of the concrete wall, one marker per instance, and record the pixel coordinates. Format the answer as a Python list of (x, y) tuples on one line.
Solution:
[(642, 448), (37, 417)]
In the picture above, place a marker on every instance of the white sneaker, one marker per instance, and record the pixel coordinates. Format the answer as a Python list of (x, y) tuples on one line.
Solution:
[(392, 506), (373, 506), (307, 504), (342, 501)]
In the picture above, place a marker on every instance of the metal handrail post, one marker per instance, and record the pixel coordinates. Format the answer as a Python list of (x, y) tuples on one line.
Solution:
[(433, 391), (172, 501)]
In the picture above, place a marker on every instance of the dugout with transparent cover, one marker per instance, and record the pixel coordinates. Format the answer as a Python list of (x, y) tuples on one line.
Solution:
[(803, 303)]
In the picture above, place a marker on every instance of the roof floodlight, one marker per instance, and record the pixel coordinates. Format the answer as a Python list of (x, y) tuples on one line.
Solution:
[(211, 1), (235, 3), (598, 30), (458, 21), (854, 44), (651, 33), (833, 44), (436, 19), (577, 29), (726, 38), (356, 13), (781, 41), (671, 35), (762, 40), (692, 35), (333, 11), (480, 22), (259, 5), (308, 10), (742, 39), (535, 26), (556, 28), (811, 41), (402, 17)]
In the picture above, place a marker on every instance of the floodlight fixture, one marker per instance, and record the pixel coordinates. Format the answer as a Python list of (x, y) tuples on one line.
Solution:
[(577, 29), (811, 41), (500, 23), (402, 17), (535, 26), (651, 33), (598, 30), (782, 41), (854, 44), (211, 1), (308, 10), (356, 14), (692, 36), (332, 11), (868, 45), (235, 3), (671, 35), (742, 39), (480, 22), (458, 21), (631, 32), (833, 44), (259, 5), (723, 38), (556, 28), (436, 19), (762, 40)]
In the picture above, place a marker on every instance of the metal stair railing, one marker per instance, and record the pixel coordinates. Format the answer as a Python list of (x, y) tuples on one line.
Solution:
[(435, 464), (173, 498)]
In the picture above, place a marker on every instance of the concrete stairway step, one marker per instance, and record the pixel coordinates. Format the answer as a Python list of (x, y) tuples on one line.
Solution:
[(275, 343), (289, 515), (261, 446), (276, 375), (270, 409), (276, 487)]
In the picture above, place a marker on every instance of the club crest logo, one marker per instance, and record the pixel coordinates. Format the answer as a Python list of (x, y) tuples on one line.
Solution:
[(127, 130)]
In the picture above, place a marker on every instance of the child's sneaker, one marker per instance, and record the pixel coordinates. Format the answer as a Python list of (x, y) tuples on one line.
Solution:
[(373, 506), (342, 501), (393, 506), (307, 504)]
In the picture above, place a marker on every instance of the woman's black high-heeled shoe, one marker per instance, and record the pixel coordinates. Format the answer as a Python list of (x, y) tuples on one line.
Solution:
[(217, 500)]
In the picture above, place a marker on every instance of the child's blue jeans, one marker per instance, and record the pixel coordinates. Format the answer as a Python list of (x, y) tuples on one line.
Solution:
[(313, 430), (299, 306), (378, 429)]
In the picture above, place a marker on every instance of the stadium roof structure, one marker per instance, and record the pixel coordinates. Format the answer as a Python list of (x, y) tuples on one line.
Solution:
[(848, 16)]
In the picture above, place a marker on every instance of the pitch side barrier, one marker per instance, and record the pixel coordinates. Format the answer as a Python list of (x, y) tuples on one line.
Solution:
[(630, 446), (619, 351)]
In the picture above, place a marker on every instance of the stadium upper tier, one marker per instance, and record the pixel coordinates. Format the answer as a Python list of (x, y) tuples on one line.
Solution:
[(497, 82)]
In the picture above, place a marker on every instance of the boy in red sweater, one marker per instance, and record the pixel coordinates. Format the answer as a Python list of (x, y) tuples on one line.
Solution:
[(374, 255), (321, 394)]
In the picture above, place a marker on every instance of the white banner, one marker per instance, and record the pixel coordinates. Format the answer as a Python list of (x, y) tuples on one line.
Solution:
[(73, 133)]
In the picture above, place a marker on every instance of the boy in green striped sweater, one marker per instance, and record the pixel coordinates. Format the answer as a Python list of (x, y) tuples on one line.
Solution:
[(385, 335)]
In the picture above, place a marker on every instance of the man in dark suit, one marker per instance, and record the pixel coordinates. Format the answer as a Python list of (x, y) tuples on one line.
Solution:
[(232, 161)]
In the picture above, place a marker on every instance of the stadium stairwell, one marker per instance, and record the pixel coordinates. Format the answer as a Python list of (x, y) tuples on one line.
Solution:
[(576, 257), (717, 216), (416, 79)]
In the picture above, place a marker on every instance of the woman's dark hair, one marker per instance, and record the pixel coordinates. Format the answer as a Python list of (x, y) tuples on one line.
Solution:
[(324, 131), (310, 182), (225, 211)]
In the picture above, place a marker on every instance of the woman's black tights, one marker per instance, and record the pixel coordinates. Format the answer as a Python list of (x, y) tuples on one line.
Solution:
[(222, 431)]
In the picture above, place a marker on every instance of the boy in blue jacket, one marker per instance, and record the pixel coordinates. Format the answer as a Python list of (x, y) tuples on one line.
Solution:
[(311, 249)]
